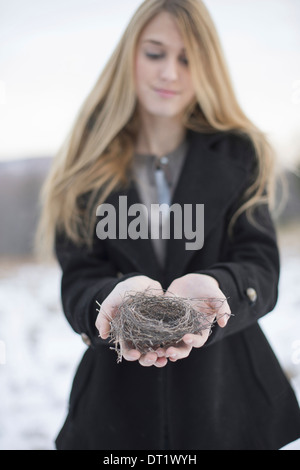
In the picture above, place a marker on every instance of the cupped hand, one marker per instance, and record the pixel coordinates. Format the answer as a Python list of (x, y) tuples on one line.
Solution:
[(108, 310), (191, 286), (204, 288)]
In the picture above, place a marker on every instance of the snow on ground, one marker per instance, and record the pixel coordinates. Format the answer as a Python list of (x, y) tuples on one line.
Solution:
[(39, 352)]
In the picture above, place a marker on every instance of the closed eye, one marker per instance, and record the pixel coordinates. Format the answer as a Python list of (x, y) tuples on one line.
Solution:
[(152, 56), (155, 56)]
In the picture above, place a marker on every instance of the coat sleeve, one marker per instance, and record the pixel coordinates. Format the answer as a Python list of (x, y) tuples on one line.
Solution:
[(87, 275), (248, 273)]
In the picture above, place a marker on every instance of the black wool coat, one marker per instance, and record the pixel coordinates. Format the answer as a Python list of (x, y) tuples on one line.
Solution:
[(230, 394)]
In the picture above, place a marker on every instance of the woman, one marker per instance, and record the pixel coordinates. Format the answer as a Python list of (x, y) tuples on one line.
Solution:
[(162, 125)]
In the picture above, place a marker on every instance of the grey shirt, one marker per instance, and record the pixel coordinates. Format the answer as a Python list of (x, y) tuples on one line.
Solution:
[(156, 180)]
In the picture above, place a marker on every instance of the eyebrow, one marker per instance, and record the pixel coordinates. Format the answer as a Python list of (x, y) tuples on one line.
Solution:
[(158, 43)]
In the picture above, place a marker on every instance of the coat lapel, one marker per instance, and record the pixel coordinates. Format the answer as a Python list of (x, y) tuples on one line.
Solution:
[(140, 251), (211, 178), (208, 177)]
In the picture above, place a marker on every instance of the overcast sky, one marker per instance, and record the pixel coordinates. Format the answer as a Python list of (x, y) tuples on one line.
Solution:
[(52, 51)]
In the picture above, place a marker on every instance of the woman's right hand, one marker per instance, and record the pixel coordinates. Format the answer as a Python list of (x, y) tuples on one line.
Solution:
[(108, 311)]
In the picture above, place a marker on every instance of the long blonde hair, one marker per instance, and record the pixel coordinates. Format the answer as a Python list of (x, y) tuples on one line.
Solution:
[(97, 153)]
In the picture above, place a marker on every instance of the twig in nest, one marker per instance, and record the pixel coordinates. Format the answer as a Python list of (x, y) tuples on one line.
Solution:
[(147, 322)]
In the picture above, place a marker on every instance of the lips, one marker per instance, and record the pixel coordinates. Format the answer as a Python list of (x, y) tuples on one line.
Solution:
[(166, 93)]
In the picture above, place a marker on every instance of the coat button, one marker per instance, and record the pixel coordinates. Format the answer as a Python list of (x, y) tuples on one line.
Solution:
[(251, 294), (86, 339)]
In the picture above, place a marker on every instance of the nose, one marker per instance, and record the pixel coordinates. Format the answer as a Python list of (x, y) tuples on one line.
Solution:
[(169, 71)]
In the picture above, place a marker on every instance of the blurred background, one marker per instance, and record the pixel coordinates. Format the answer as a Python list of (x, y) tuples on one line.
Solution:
[(51, 54)]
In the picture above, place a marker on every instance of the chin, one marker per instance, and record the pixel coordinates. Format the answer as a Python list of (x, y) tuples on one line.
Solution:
[(164, 112)]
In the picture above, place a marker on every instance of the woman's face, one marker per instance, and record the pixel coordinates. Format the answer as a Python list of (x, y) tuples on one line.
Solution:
[(163, 80)]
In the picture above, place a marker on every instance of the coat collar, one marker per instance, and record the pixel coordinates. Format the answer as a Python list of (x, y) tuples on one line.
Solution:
[(209, 177)]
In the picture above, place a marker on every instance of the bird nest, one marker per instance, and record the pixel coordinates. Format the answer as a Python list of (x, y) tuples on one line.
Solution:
[(146, 322)]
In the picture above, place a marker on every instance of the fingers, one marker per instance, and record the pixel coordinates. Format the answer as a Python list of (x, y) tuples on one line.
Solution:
[(176, 353), (159, 362), (145, 360), (148, 360), (160, 357), (130, 355), (196, 341), (152, 359), (188, 342), (223, 314), (106, 312), (219, 310)]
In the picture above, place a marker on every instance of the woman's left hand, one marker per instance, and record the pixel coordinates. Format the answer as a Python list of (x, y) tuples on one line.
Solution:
[(197, 286)]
